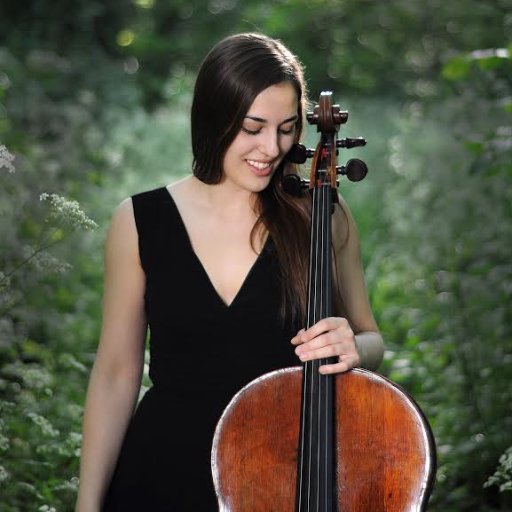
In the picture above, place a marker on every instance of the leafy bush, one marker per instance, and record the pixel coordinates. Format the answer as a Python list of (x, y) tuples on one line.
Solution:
[(443, 284), (503, 474), (52, 149)]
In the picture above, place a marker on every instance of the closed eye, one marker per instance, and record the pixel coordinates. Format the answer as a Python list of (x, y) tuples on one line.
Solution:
[(251, 132), (283, 131), (287, 131)]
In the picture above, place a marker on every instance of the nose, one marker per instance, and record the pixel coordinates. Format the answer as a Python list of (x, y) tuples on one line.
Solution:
[(270, 144)]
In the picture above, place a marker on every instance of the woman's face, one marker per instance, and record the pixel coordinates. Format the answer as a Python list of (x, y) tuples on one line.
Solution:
[(267, 134)]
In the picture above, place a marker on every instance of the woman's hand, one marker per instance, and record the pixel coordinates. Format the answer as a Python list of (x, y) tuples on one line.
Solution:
[(330, 337)]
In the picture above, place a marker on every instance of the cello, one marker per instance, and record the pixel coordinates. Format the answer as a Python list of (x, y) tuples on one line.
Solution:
[(297, 440)]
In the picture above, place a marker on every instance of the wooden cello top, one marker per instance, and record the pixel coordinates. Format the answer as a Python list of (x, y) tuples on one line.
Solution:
[(386, 453)]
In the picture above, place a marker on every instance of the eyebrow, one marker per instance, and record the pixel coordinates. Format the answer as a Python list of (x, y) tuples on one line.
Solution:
[(261, 120)]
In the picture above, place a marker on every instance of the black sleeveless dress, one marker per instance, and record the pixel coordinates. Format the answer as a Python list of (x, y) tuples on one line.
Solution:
[(202, 352)]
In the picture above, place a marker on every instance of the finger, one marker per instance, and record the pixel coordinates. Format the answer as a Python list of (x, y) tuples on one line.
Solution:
[(324, 325), (342, 366), (329, 350), (296, 339), (327, 339)]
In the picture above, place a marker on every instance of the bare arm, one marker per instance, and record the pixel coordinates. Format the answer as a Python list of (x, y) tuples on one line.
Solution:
[(116, 375), (353, 336), (352, 288)]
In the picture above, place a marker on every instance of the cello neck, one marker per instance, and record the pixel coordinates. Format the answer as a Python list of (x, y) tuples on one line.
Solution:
[(319, 304), (316, 468)]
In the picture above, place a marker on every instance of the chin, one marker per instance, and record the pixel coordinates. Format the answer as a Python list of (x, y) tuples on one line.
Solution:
[(262, 183)]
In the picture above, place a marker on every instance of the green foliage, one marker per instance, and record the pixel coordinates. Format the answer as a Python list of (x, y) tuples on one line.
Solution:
[(448, 247), (503, 474), (52, 119), (39, 449), (361, 47)]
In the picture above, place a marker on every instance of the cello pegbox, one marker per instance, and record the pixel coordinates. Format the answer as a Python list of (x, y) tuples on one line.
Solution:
[(327, 116)]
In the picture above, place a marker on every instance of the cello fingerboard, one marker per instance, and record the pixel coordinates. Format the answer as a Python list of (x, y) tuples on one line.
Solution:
[(316, 487)]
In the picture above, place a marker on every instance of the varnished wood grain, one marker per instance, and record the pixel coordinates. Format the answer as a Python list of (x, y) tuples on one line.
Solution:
[(385, 450)]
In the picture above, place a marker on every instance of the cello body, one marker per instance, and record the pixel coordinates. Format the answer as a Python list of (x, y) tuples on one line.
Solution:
[(385, 453)]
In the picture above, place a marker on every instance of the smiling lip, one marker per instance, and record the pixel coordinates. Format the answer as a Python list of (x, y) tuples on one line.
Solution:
[(260, 168)]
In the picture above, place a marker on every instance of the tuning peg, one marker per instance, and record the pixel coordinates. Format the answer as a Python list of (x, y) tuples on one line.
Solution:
[(299, 153), (293, 184), (350, 142), (355, 170)]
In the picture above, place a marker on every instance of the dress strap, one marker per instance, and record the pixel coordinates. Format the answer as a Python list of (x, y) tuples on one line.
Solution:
[(153, 224)]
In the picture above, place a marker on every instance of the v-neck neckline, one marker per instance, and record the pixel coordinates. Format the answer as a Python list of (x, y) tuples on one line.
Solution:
[(201, 266)]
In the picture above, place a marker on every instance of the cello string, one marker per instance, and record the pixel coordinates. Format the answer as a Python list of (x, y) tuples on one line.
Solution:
[(307, 371), (318, 307), (308, 364), (316, 391), (313, 435), (315, 374), (326, 379), (321, 315), (320, 377), (325, 256)]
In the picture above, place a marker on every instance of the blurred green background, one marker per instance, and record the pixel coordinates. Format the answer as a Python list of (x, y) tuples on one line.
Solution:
[(94, 106)]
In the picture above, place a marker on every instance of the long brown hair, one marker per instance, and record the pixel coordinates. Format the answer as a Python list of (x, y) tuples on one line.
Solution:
[(235, 71)]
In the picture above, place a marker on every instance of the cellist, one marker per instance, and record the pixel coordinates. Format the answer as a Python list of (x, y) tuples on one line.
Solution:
[(215, 266)]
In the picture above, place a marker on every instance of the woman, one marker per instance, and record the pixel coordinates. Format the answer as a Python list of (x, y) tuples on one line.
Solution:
[(215, 264)]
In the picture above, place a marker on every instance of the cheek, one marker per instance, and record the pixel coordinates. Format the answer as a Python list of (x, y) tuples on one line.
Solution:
[(241, 145), (287, 144), (232, 152)]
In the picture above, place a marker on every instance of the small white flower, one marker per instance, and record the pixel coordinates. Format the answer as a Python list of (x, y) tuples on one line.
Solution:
[(68, 211), (4, 445), (6, 159), (4, 474), (46, 427)]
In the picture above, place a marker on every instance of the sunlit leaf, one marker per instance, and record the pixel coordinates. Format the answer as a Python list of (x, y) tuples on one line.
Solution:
[(457, 68), (125, 37)]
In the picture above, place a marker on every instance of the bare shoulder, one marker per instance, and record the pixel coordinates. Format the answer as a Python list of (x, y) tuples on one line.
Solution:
[(122, 233), (184, 190), (123, 218), (182, 185)]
